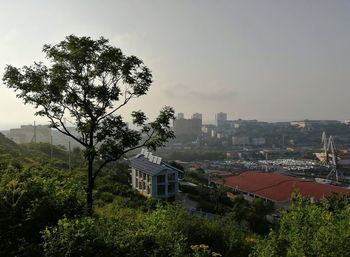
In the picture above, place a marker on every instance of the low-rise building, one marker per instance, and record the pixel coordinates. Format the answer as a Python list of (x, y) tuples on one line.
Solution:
[(240, 140), (309, 124), (153, 177), (258, 141), (30, 133), (278, 188)]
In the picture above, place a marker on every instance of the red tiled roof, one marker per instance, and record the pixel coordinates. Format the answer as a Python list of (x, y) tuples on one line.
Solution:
[(279, 188)]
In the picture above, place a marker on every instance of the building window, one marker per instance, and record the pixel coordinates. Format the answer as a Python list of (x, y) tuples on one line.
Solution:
[(144, 176), (136, 182), (148, 178), (143, 185), (140, 185), (161, 178), (161, 190), (136, 173), (171, 188), (171, 176), (148, 190)]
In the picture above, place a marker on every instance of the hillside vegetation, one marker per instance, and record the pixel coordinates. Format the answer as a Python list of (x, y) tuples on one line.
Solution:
[(42, 214)]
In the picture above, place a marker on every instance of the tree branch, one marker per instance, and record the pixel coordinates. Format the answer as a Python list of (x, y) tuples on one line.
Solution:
[(64, 131), (119, 156), (127, 99)]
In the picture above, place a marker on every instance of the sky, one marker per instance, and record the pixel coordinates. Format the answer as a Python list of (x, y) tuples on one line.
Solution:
[(271, 60)]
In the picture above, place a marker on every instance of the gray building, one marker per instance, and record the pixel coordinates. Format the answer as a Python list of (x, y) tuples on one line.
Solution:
[(220, 118), (180, 115), (188, 127), (240, 140), (197, 115), (30, 133), (153, 177)]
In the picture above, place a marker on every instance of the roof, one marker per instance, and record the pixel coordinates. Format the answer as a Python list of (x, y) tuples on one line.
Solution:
[(145, 165), (279, 188)]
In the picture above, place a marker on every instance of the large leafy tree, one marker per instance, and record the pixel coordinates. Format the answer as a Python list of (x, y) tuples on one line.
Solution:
[(89, 81)]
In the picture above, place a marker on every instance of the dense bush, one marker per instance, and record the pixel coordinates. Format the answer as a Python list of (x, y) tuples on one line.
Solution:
[(30, 199), (167, 231), (308, 229)]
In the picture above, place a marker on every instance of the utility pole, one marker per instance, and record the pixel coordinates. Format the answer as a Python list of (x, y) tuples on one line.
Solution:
[(69, 158), (34, 136), (51, 148)]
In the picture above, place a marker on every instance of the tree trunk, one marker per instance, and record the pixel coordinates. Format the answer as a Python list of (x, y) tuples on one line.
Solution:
[(90, 187)]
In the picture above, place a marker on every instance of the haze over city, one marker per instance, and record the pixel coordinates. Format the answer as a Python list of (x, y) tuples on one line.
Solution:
[(266, 60)]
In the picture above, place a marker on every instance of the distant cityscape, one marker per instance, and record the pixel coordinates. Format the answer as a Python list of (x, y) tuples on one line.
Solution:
[(232, 130), (225, 133)]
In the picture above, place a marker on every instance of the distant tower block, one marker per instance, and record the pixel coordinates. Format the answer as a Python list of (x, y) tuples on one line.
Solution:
[(220, 118), (180, 115), (197, 116)]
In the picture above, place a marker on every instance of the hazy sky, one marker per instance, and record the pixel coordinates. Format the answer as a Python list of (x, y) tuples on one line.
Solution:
[(270, 60)]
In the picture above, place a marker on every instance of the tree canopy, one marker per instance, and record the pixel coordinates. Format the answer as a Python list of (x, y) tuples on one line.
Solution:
[(88, 82)]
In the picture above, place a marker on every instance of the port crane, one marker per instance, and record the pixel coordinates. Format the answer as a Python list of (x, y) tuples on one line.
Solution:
[(330, 150), (325, 148)]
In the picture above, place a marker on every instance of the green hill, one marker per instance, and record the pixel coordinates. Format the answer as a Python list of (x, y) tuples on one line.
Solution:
[(37, 153), (7, 146)]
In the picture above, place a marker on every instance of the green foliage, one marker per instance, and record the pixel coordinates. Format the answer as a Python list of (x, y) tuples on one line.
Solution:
[(177, 165), (256, 216), (9, 147), (90, 81), (167, 231), (78, 237), (197, 176), (308, 229), (41, 153), (30, 199)]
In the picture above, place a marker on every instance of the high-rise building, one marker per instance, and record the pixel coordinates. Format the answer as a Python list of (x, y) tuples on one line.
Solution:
[(189, 127), (220, 118), (197, 116), (180, 115)]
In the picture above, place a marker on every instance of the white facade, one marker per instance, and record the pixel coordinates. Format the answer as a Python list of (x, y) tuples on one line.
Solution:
[(154, 178)]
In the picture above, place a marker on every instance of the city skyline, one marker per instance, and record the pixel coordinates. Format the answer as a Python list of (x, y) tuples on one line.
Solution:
[(205, 121), (265, 60)]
